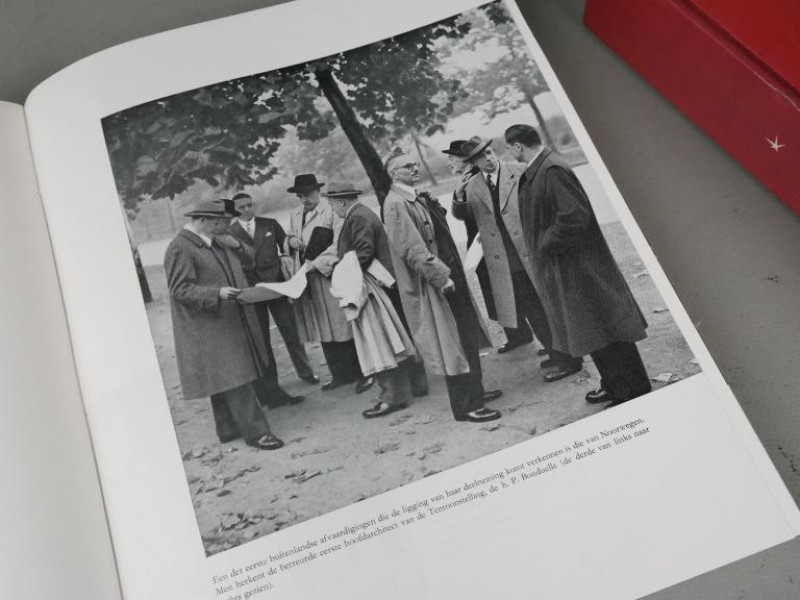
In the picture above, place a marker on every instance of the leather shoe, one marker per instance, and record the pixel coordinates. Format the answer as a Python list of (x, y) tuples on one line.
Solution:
[(508, 347), (310, 378), (267, 442), (364, 383), (292, 400), (332, 385), (561, 372), (481, 415), (381, 409), (492, 395), (548, 363), (598, 396)]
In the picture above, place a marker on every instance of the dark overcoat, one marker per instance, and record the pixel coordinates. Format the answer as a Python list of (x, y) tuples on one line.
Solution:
[(477, 205), (218, 343), (363, 232), (267, 243), (585, 297)]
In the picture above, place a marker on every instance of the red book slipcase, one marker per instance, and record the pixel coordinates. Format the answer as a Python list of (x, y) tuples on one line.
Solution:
[(732, 66)]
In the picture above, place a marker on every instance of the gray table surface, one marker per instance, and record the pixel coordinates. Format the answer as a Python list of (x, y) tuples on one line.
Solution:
[(731, 249)]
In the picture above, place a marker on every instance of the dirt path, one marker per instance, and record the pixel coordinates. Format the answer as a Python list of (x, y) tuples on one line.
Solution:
[(334, 457)]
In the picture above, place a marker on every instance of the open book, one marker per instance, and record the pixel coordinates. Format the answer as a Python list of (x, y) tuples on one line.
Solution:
[(134, 381)]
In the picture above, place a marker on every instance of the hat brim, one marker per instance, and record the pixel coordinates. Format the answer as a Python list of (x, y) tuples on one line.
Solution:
[(455, 153), (204, 213), (295, 189), (352, 193), (481, 147)]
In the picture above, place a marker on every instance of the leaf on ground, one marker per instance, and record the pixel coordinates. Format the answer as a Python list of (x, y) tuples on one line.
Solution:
[(660, 309), (388, 447), (663, 377), (400, 420)]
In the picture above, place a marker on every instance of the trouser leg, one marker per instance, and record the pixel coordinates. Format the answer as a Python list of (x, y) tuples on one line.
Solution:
[(394, 386), (283, 313), (244, 411), (342, 360), (529, 307), (622, 373), (466, 390), (520, 335), (223, 420)]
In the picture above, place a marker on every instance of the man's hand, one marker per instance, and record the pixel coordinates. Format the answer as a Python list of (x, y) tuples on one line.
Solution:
[(295, 243), (462, 185), (226, 239), (449, 287), (229, 293)]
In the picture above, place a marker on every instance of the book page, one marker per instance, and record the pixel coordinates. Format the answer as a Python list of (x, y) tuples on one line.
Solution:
[(230, 472), (56, 542)]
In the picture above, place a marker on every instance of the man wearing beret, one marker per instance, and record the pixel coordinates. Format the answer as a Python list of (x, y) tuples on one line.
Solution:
[(589, 306), (218, 343)]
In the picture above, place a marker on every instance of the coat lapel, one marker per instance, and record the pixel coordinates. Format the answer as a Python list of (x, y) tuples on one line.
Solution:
[(484, 193), (507, 179)]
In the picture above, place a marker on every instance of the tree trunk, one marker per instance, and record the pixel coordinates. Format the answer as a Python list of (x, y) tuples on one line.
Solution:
[(425, 164), (365, 151), (546, 138)]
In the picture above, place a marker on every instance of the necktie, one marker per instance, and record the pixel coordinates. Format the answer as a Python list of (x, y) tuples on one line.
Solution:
[(490, 181), (251, 228)]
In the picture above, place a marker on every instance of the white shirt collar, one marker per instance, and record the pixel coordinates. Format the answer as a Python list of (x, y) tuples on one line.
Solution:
[(406, 188), (530, 162), (495, 174), (207, 240)]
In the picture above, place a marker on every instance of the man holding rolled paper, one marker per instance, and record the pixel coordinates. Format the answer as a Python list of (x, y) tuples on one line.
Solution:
[(218, 343)]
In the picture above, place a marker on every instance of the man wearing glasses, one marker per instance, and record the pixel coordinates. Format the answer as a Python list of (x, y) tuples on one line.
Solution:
[(442, 314)]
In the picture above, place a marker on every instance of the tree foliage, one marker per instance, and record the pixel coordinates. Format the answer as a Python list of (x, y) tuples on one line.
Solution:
[(227, 134)]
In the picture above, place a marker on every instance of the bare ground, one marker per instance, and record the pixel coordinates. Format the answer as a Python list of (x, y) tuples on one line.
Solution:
[(333, 457)]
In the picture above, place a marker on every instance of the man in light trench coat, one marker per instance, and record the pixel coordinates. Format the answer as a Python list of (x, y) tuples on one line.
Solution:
[(443, 317), (218, 343)]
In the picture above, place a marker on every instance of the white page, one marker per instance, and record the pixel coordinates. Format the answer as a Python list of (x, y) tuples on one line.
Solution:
[(55, 542), (698, 493)]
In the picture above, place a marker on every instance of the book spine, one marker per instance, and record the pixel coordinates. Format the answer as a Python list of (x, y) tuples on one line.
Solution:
[(736, 99)]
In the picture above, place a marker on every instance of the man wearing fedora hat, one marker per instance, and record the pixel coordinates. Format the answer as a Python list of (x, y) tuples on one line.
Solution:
[(387, 348), (266, 237), (311, 241), (515, 336), (218, 344), (445, 322), (491, 199)]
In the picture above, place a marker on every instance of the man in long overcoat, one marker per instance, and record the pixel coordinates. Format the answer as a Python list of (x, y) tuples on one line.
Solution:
[(392, 353), (266, 237), (441, 311), (456, 159), (218, 343), (491, 198), (318, 315), (589, 306)]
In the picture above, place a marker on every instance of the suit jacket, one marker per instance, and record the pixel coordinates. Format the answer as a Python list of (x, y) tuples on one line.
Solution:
[(218, 343), (584, 294), (363, 232), (267, 244), (478, 206)]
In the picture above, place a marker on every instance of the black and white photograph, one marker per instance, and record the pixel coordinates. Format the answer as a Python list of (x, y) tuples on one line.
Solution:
[(369, 268)]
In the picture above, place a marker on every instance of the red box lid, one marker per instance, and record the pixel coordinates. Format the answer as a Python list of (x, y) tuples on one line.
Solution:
[(768, 29)]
